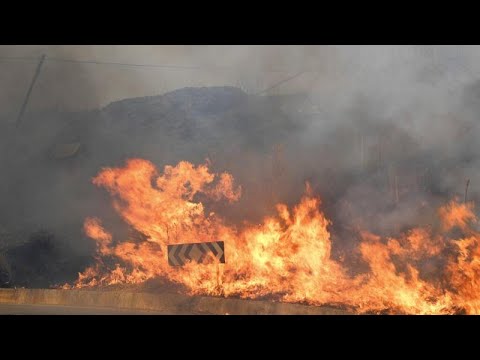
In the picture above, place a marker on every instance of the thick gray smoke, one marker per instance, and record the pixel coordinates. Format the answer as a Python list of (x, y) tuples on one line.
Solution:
[(384, 134)]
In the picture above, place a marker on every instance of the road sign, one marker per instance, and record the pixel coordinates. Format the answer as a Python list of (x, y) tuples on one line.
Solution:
[(201, 253)]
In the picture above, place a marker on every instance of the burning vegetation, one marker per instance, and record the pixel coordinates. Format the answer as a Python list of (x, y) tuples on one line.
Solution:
[(287, 257), (314, 205)]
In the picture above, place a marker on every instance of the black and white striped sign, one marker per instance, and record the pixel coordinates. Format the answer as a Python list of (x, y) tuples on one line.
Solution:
[(201, 253)]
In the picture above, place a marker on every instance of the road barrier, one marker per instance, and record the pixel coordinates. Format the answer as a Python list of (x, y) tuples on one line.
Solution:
[(164, 303)]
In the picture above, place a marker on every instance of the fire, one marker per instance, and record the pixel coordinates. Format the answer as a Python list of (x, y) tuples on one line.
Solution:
[(287, 257)]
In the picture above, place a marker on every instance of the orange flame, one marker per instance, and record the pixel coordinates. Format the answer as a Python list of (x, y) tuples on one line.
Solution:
[(287, 257)]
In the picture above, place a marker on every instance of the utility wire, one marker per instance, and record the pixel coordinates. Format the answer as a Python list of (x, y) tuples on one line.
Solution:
[(160, 66), (280, 83), (5, 58), (173, 67)]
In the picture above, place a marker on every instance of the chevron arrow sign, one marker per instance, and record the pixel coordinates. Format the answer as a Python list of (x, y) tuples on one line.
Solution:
[(201, 253)]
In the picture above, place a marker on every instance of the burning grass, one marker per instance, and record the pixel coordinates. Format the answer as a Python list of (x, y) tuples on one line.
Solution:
[(286, 257)]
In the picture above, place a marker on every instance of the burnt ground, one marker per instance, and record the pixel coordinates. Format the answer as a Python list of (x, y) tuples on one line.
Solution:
[(42, 261)]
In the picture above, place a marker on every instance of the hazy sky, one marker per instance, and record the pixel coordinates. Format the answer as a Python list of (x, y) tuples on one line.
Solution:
[(331, 71), (72, 86)]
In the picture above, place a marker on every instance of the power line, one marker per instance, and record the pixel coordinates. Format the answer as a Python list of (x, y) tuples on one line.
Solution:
[(280, 83), (5, 58), (163, 66), (160, 66), (180, 67)]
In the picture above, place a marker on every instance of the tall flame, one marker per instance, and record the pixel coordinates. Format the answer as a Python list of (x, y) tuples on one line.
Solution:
[(288, 256)]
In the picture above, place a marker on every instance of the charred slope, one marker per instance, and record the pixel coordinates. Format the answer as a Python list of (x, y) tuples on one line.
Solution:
[(40, 262)]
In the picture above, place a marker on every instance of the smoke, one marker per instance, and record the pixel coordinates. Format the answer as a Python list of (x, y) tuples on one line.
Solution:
[(66, 86), (382, 133)]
